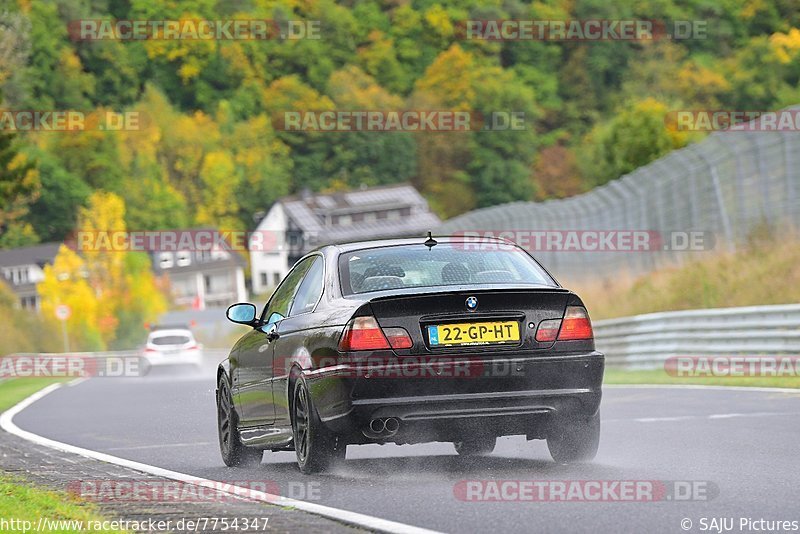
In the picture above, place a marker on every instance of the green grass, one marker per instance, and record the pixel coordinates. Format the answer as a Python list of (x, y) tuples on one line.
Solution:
[(659, 376), (22, 501), (16, 389)]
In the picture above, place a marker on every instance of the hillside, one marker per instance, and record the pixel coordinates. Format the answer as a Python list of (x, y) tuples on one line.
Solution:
[(209, 150)]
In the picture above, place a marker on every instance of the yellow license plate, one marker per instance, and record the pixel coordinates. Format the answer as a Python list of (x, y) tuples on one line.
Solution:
[(473, 333)]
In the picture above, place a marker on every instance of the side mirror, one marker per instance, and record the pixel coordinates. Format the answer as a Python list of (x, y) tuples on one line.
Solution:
[(242, 313)]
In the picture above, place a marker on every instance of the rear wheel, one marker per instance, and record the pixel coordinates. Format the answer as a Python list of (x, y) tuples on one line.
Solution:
[(575, 440), (475, 445), (234, 453), (315, 446)]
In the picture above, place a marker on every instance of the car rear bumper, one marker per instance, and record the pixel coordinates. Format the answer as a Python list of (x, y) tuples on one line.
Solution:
[(510, 395), (180, 358)]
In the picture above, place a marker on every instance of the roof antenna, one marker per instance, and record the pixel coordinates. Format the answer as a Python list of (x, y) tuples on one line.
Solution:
[(430, 242)]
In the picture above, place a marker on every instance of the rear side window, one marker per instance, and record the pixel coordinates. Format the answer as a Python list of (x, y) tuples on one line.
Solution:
[(445, 264), (310, 289)]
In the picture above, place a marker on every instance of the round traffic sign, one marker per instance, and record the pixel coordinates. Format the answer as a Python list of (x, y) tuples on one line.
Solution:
[(63, 312)]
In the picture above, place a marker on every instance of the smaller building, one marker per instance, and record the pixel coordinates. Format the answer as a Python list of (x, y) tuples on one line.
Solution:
[(202, 279), (22, 268), (298, 224)]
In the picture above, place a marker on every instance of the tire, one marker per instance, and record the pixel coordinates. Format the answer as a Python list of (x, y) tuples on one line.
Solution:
[(475, 446), (234, 453), (317, 449), (574, 441)]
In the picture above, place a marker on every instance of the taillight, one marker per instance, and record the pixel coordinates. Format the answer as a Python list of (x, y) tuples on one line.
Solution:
[(576, 324), (150, 349), (398, 338), (363, 333), (548, 330)]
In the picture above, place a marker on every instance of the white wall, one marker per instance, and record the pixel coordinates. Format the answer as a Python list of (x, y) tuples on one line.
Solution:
[(271, 258)]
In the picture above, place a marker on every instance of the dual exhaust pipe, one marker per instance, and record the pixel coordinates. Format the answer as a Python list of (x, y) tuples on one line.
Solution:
[(384, 427)]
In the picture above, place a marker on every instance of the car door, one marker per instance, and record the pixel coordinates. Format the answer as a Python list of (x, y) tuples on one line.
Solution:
[(292, 331), (253, 380)]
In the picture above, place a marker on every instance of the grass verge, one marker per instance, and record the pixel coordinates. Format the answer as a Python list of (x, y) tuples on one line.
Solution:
[(658, 376), (765, 270), (25, 503), (14, 390)]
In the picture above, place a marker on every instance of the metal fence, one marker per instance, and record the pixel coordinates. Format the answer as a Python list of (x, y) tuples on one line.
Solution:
[(646, 341), (725, 185)]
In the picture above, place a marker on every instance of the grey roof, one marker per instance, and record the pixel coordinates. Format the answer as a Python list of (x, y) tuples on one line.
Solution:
[(33, 255), (307, 212)]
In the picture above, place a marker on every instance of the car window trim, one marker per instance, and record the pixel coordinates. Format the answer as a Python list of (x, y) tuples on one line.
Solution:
[(291, 302), (319, 299)]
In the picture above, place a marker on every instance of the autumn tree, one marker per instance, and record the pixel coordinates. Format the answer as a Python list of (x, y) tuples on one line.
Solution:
[(66, 281), (19, 186), (121, 280)]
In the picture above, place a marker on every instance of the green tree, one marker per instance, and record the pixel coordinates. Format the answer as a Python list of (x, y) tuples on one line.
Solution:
[(19, 186)]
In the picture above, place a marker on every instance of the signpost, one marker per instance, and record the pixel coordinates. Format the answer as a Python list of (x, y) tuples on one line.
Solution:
[(63, 312)]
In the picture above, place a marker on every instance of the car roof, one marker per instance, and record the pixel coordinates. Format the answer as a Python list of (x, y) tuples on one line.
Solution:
[(359, 245)]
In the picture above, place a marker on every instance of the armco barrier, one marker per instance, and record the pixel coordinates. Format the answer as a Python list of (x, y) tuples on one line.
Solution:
[(646, 341)]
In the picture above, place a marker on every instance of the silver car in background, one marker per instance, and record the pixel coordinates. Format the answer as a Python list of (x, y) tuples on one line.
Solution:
[(173, 346)]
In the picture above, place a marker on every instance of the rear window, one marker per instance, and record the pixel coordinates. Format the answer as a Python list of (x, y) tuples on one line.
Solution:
[(170, 340), (446, 264)]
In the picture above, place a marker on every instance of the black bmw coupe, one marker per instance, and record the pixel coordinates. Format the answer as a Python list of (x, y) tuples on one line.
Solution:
[(410, 341)]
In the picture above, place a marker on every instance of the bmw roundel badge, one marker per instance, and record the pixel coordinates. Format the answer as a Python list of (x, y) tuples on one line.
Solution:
[(472, 303)]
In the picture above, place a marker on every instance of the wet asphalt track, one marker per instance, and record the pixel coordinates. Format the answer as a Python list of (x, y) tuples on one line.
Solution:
[(742, 443)]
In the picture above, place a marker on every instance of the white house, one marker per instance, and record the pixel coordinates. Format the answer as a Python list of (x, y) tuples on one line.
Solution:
[(22, 268), (298, 224), (202, 279)]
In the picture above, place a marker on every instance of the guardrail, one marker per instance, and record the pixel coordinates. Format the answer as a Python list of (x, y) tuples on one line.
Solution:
[(646, 341)]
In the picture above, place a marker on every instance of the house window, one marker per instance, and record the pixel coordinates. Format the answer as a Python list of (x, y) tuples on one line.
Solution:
[(276, 278), (345, 220), (369, 217), (184, 258), (393, 215), (165, 260), (263, 279)]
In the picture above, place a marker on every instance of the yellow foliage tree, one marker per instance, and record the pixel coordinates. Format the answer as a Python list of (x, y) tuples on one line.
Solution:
[(66, 282), (219, 179), (122, 281)]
